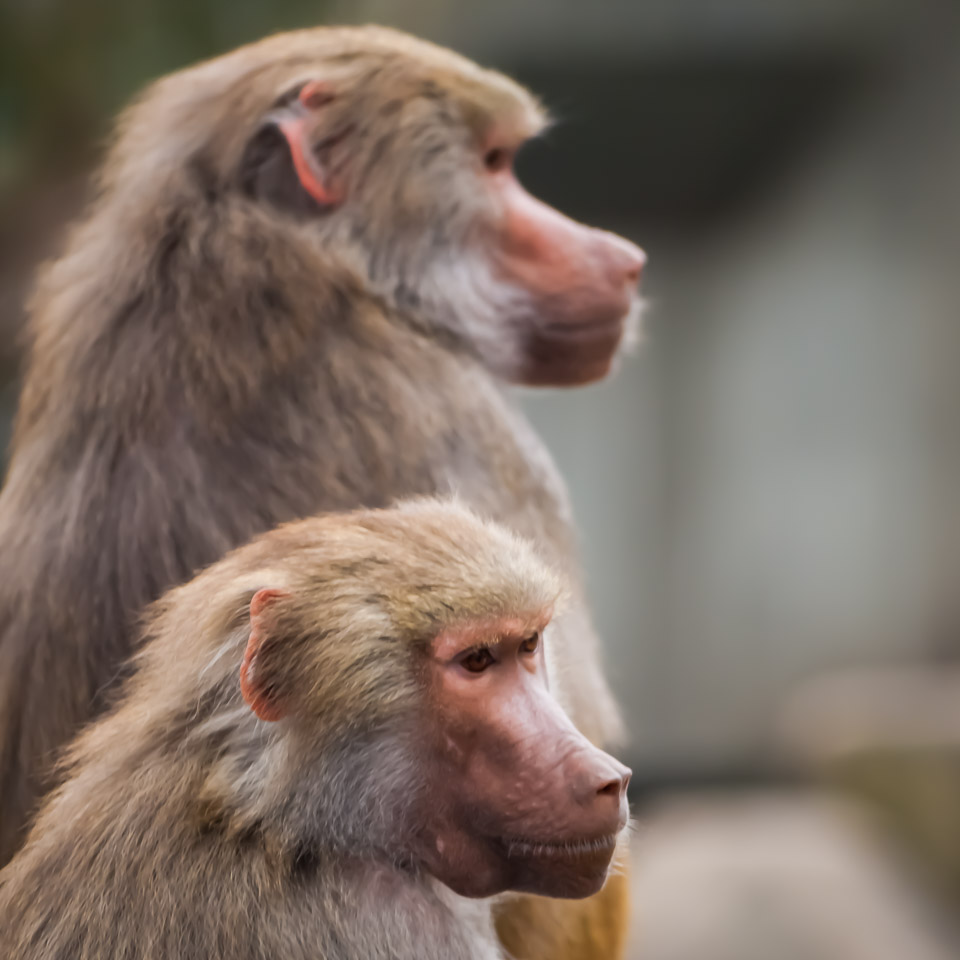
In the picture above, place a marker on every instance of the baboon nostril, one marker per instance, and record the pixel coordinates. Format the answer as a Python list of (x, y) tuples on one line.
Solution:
[(616, 785), (610, 789)]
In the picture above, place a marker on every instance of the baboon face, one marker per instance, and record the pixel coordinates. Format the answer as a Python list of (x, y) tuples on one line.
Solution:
[(519, 799), (425, 653), (506, 793), (400, 156)]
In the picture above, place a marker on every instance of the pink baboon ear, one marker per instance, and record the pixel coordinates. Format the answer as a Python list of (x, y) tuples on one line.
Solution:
[(255, 684), (296, 126)]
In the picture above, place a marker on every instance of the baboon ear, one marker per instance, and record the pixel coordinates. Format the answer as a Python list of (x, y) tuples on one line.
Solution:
[(285, 162), (258, 686), (295, 125)]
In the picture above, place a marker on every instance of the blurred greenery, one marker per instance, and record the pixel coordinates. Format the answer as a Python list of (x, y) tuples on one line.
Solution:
[(66, 66)]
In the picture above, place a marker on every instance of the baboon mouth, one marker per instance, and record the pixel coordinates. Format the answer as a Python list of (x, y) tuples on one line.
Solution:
[(529, 848), (595, 329)]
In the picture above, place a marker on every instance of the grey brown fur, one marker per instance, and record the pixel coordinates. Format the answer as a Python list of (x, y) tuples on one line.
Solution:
[(187, 828), (213, 355)]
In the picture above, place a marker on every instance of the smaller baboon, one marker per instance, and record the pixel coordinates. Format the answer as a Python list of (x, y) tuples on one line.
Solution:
[(338, 742)]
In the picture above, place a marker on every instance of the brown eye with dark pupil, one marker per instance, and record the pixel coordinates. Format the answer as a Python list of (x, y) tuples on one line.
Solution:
[(496, 159), (530, 644), (478, 660)]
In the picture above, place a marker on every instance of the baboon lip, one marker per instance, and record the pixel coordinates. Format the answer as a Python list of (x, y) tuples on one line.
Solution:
[(590, 329), (530, 848)]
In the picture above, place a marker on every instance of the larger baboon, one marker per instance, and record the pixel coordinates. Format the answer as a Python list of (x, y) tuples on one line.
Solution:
[(306, 275)]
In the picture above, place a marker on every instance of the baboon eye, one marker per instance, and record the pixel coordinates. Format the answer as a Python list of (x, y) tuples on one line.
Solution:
[(476, 661), (530, 644), (496, 159)]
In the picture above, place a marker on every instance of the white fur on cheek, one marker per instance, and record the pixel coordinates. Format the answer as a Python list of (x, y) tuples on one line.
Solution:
[(464, 293)]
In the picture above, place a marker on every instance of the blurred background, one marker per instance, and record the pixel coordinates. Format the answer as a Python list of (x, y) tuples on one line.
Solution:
[(769, 492)]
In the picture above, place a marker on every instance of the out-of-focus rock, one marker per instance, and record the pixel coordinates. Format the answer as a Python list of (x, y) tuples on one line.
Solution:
[(892, 738), (774, 877)]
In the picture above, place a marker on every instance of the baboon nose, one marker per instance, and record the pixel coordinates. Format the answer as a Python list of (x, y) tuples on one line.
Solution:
[(610, 800), (616, 787), (625, 260), (634, 264)]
